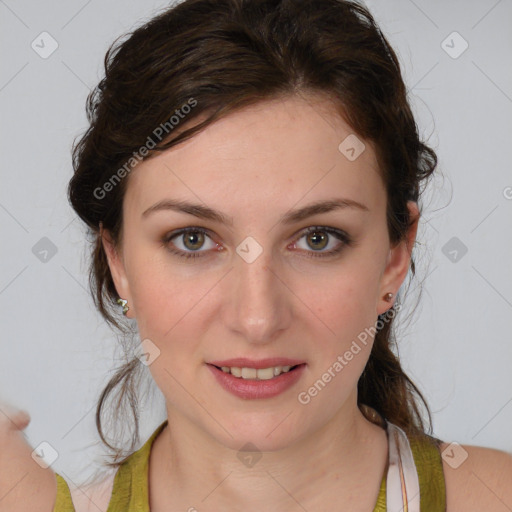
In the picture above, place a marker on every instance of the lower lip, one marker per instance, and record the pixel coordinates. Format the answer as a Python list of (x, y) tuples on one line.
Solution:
[(251, 389)]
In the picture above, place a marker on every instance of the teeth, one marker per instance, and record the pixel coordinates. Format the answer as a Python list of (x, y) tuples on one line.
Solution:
[(257, 374)]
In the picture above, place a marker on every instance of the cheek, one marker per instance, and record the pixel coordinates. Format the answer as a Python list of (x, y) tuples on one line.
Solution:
[(162, 305), (343, 343), (169, 302), (166, 311), (345, 318), (346, 299)]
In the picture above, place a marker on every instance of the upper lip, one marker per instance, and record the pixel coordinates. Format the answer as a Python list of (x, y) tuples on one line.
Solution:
[(243, 362)]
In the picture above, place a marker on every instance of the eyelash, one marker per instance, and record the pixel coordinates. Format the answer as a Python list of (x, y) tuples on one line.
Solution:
[(341, 235)]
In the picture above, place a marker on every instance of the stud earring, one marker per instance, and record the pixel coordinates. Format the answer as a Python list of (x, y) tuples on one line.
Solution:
[(388, 297), (123, 302)]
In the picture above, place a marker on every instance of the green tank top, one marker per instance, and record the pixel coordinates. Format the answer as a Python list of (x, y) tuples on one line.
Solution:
[(130, 486)]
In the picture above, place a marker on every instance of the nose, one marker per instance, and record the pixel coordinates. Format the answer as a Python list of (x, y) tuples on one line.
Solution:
[(258, 305)]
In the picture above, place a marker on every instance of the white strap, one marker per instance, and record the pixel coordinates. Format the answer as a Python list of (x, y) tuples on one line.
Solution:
[(402, 484)]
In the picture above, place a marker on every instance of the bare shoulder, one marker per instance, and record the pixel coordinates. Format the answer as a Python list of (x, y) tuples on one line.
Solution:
[(24, 484), (477, 478)]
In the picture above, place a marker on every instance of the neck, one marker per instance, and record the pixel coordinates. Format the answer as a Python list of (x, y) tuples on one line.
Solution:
[(345, 459)]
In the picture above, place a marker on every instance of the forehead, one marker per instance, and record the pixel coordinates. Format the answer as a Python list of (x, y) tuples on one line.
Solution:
[(273, 154)]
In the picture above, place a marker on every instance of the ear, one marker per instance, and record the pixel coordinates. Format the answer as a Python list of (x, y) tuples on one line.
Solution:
[(398, 261), (117, 268)]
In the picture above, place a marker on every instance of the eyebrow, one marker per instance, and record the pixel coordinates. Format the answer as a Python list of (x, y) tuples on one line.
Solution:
[(291, 217)]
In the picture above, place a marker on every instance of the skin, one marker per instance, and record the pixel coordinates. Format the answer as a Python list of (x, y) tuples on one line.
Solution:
[(254, 166), (24, 485)]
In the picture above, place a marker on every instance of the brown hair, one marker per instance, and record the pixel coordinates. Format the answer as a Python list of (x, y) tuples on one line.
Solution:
[(224, 55)]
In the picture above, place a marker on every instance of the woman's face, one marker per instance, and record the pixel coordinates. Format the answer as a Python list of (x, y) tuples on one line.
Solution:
[(256, 285)]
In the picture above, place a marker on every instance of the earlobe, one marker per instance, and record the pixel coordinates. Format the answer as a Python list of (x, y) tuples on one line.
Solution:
[(398, 261), (116, 264)]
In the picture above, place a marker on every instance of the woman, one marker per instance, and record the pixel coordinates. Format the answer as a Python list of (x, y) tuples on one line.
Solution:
[(252, 179)]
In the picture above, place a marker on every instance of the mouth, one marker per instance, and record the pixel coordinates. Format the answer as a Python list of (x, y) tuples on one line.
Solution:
[(257, 383), (250, 373)]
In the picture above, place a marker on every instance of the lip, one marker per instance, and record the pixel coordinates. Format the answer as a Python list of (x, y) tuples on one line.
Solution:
[(250, 389), (243, 362)]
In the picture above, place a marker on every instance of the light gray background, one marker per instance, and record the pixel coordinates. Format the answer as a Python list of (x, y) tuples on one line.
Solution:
[(56, 350)]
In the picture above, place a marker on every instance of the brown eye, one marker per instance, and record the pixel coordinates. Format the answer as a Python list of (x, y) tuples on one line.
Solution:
[(189, 242), (193, 240), (317, 240)]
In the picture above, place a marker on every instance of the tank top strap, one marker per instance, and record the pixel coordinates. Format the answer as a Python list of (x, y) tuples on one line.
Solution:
[(415, 478), (130, 488), (429, 463), (63, 502)]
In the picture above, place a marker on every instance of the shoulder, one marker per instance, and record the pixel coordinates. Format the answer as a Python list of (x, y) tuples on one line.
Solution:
[(27, 486), (477, 478), (24, 484)]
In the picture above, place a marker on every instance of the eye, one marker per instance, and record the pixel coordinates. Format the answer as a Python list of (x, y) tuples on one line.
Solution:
[(191, 239), (320, 237)]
